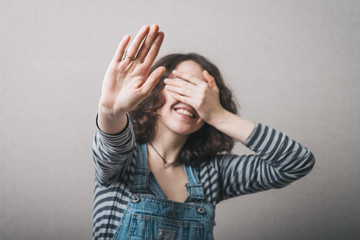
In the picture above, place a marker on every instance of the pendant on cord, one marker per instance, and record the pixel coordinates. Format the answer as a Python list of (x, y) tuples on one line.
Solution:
[(166, 164)]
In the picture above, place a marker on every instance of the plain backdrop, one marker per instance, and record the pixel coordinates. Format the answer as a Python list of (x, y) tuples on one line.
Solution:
[(293, 65)]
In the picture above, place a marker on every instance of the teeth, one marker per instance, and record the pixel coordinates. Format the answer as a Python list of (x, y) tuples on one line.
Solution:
[(185, 112)]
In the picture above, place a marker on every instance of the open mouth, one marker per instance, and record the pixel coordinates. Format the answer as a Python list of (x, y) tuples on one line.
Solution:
[(185, 112)]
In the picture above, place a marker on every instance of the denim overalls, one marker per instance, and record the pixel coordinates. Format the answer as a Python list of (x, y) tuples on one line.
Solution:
[(155, 217)]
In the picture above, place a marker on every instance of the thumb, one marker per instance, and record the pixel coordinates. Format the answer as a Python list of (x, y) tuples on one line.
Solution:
[(210, 79), (153, 79)]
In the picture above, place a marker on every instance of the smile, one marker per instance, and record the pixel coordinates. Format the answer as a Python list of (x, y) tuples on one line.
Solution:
[(185, 112)]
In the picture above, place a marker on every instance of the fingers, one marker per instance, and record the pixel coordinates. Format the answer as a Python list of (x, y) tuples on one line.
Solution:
[(153, 80), (145, 47), (188, 77), (180, 86), (136, 43), (179, 90), (182, 98), (121, 48), (154, 50), (194, 80)]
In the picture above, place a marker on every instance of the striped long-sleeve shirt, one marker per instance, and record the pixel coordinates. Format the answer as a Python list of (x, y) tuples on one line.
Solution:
[(277, 161)]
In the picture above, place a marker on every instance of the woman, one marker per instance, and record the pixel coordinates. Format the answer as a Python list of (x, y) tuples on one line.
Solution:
[(162, 148)]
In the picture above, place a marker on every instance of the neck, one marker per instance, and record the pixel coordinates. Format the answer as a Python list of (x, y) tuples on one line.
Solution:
[(168, 144)]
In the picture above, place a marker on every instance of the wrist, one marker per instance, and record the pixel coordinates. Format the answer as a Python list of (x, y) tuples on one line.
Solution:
[(110, 112), (233, 125), (111, 122)]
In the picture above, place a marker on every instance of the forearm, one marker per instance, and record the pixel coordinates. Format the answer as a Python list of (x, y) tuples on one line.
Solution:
[(112, 152), (278, 161), (232, 125)]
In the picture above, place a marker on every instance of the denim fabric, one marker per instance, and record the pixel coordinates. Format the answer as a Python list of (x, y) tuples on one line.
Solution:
[(154, 217)]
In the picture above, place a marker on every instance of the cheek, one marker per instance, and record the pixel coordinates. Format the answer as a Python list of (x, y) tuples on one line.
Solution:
[(199, 125), (167, 101)]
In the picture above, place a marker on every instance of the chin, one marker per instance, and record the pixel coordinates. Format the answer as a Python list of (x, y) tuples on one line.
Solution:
[(184, 130), (178, 122)]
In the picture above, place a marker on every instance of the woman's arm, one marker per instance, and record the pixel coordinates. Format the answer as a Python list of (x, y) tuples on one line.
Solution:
[(278, 161), (112, 153), (227, 122), (126, 84)]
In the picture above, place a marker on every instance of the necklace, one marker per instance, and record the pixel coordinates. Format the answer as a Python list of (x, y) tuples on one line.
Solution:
[(166, 164)]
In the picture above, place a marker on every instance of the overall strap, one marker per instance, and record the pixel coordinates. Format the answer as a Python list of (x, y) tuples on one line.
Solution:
[(141, 177), (194, 187)]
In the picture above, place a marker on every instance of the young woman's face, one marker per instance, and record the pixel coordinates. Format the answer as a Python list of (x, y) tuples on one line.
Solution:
[(176, 116)]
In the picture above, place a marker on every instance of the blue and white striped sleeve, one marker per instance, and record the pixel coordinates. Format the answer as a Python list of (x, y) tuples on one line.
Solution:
[(278, 161), (112, 153)]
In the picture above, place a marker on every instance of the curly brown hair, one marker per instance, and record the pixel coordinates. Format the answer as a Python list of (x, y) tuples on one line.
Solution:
[(201, 145)]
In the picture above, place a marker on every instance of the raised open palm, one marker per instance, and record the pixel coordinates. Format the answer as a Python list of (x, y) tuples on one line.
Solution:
[(126, 81)]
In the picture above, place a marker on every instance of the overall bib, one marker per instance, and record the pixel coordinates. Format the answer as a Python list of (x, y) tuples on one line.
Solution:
[(154, 217)]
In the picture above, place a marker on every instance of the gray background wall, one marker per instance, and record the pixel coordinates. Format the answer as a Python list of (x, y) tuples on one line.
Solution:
[(293, 65)]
